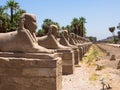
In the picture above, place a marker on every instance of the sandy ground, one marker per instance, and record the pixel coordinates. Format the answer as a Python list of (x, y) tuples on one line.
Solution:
[(88, 78)]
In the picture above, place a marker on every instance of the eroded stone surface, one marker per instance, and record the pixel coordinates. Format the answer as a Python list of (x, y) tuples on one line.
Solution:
[(27, 74), (22, 40)]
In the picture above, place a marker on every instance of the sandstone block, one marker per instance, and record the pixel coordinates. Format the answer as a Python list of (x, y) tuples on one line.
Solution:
[(30, 74)]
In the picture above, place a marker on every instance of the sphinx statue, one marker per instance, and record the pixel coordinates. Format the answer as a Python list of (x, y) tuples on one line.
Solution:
[(24, 39), (73, 37), (50, 40), (65, 39)]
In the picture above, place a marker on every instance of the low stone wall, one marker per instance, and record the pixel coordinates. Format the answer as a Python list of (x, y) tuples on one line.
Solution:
[(30, 74)]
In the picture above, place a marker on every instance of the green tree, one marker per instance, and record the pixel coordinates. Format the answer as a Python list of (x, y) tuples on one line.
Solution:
[(81, 26), (46, 24), (4, 20), (74, 25), (13, 6), (40, 32), (68, 27), (112, 29), (17, 17), (2, 10), (78, 26)]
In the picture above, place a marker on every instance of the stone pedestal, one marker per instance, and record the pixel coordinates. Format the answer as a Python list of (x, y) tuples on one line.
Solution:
[(118, 66), (27, 71), (68, 61), (76, 56), (81, 52)]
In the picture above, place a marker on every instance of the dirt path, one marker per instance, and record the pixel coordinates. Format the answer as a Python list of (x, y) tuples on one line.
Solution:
[(86, 77)]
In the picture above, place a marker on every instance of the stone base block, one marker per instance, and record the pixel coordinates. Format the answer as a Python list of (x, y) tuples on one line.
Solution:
[(68, 61), (118, 66), (76, 56), (68, 69), (81, 53), (30, 74)]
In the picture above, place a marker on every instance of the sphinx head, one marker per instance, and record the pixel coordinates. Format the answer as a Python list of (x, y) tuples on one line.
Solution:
[(72, 35), (53, 30), (65, 33), (29, 22)]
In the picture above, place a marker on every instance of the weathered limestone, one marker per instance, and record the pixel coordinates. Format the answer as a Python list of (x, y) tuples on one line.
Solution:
[(50, 41), (22, 40), (64, 40), (82, 43), (118, 66), (24, 65), (112, 57), (74, 42), (30, 73)]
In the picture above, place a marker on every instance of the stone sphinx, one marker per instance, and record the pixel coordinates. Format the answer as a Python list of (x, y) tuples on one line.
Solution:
[(24, 65), (24, 39), (64, 40), (50, 41), (72, 35)]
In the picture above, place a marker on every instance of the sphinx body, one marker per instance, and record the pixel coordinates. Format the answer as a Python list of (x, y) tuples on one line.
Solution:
[(22, 40), (50, 40)]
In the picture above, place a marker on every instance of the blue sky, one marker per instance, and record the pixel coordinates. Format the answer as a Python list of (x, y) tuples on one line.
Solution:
[(99, 14)]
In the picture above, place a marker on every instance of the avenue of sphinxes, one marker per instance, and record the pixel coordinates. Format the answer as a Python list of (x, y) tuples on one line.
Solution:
[(26, 59), (59, 45), (25, 65)]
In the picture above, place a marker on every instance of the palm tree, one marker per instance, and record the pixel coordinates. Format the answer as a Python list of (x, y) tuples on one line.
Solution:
[(78, 26), (68, 27), (74, 25), (112, 29), (40, 32), (81, 28), (46, 24), (17, 17), (13, 6), (2, 9), (4, 20)]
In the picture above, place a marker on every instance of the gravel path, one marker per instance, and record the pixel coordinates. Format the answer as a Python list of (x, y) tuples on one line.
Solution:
[(79, 81)]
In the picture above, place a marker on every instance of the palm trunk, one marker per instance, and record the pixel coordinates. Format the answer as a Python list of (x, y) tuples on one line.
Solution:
[(75, 29), (11, 11), (79, 30), (82, 26)]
